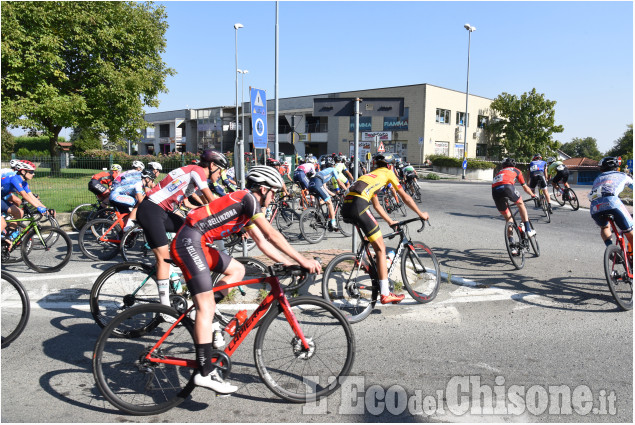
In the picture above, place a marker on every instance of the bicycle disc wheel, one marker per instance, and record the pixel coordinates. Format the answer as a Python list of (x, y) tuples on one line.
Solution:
[(616, 272), (557, 195), (290, 371), (134, 247), (121, 287), (573, 200), (313, 225), (127, 379), (99, 240), (51, 249), (349, 287), (518, 258), (15, 308), (80, 214), (420, 272)]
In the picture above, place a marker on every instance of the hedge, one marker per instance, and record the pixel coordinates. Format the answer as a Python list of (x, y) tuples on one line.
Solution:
[(448, 161)]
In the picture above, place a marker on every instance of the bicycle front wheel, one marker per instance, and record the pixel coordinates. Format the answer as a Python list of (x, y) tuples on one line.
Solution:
[(420, 272), (557, 195), (616, 272), (349, 287), (514, 248), (15, 308), (127, 379), (573, 200), (100, 240), (285, 219), (297, 374), (80, 214), (134, 247), (313, 225), (47, 252)]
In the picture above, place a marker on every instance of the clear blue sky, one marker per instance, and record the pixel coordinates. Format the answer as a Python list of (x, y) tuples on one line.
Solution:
[(577, 53)]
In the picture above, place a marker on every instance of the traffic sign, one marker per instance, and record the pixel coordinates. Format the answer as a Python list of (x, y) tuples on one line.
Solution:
[(381, 147), (421, 140), (259, 117), (464, 164)]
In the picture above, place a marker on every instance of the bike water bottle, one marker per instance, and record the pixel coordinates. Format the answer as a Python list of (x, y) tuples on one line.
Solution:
[(175, 282), (236, 322), (390, 257), (14, 234), (521, 226)]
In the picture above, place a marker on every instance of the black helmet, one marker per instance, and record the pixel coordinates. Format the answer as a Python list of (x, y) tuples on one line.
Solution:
[(608, 163), (148, 174), (212, 157), (381, 160), (273, 162), (537, 157), (329, 161), (509, 162)]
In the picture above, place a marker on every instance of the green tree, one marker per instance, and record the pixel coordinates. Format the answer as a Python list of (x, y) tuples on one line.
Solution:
[(624, 145), (7, 143), (582, 148), (525, 126), (84, 139), (81, 64)]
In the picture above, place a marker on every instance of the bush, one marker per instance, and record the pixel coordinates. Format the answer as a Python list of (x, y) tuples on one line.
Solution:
[(432, 176), (448, 161)]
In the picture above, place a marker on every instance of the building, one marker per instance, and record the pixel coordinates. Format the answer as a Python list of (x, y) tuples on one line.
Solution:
[(432, 123)]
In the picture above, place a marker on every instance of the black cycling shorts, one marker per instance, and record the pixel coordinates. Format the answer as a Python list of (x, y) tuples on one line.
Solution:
[(155, 221), (561, 175), (502, 193), (537, 179), (357, 211), (98, 189)]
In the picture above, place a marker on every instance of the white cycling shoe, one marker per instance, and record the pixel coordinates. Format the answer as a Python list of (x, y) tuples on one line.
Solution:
[(531, 233), (213, 381)]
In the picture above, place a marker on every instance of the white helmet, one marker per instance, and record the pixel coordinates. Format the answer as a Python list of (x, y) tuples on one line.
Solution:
[(116, 167), (138, 164), (264, 176), (154, 166), (13, 163)]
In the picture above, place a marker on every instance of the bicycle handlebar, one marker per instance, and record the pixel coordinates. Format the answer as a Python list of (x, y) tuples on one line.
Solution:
[(411, 220)]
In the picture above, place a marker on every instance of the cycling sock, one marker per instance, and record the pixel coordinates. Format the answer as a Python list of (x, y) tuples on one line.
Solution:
[(383, 287), (333, 222), (164, 291), (527, 226), (204, 358), (608, 242)]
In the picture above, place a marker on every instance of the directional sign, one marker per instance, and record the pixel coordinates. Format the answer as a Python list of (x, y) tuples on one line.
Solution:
[(464, 164), (259, 117), (381, 147), (421, 140)]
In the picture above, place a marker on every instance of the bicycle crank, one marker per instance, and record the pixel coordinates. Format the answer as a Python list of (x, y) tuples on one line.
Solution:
[(222, 362)]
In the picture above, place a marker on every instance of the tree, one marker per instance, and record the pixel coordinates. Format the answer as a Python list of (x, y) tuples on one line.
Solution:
[(7, 142), (526, 124), (624, 145), (582, 148), (81, 64), (84, 139)]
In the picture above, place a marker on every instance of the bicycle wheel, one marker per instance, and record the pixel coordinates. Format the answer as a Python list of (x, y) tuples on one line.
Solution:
[(533, 240), (134, 247), (573, 200), (121, 287), (616, 272), (285, 219), (51, 249), (15, 308), (417, 192), (514, 249), (557, 195), (313, 225), (349, 287), (15, 254), (100, 240), (420, 272), (299, 375), (545, 208), (127, 379), (80, 214), (345, 228)]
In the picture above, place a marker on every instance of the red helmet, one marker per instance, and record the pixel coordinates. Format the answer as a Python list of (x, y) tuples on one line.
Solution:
[(25, 165)]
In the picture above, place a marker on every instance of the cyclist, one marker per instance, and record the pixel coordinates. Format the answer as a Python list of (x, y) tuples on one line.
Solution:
[(317, 186), (605, 200), (128, 191), (100, 183), (351, 166), (11, 170), (560, 172), (155, 213), (503, 188), (191, 251), (538, 176), (340, 166), (138, 165), (303, 173), (409, 173), (356, 209), (223, 184), (282, 169)]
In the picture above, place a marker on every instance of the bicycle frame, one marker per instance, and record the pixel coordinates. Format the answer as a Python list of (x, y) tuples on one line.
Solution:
[(32, 225), (622, 244), (119, 221), (275, 294)]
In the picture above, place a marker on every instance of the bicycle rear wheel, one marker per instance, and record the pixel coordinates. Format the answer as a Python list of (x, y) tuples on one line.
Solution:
[(420, 272), (47, 252), (345, 228), (15, 308), (514, 249), (616, 272), (349, 287), (299, 375), (127, 379), (99, 241), (134, 247), (557, 195), (573, 200), (545, 208), (313, 225), (80, 214), (285, 219)]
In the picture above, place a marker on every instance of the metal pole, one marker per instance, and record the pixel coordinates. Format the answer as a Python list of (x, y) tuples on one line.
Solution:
[(467, 93), (356, 153), (275, 124)]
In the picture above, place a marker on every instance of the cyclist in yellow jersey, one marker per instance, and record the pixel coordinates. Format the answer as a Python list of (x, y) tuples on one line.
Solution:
[(356, 209)]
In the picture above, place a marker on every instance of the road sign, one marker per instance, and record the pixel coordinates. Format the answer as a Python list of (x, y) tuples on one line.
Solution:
[(629, 164), (464, 164), (259, 117), (381, 147), (421, 140)]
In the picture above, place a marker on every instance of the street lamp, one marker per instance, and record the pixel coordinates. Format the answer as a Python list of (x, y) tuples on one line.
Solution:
[(469, 29), (241, 153), (242, 102)]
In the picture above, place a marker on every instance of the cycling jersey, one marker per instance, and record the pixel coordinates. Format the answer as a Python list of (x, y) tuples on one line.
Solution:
[(508, 175), (537, 167), (340, 167), (6, 172), (178, 184), (106, 177), (307, 168), (327, 174), (125, 189), (556, 166), (14, 184), (367, 185), (605, 200), (409, 169)]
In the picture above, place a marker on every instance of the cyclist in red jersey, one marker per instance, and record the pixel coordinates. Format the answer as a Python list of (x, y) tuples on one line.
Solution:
[(503, 188), (100, 183), (192, 252)]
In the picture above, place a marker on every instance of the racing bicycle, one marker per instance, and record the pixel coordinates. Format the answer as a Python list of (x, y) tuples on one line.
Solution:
[(618, 269), (315, 221), (520, 243), (563, 195)]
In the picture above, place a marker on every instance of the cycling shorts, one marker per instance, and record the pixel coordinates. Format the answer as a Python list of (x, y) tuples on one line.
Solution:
[(300, 178), (502, 193), (123, 203), (219, 190), (316, 186), (357, 211), (196, 259), (537, 179), (621, 216), (6, 205), (100, 190), (561, 175), (155, 221)]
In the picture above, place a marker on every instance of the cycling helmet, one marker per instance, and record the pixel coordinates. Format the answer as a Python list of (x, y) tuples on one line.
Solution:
[(273, 162), (608, 163), (148, 174), (13, 163), (138, 164), (301, 160), (537, 157), (25, 165), (154, 166), (311, 159), (381, 160), (329, 161), (261, 175), (509, 162), (551, 159), (212, 157), (116, 167)]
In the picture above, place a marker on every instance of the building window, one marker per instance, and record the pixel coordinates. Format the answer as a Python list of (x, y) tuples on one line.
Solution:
[(150, 133), (482, 121), (443, 116), (460, 116), (442, 148), (164, 130), (481, 150)]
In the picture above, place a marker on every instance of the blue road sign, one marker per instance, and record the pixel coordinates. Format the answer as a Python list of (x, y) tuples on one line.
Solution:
[(259, 117), (464, 164), (629, 164)]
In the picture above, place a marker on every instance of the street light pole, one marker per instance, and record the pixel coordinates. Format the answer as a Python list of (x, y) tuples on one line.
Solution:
[(241, 153), (469, 29), (242, 102)]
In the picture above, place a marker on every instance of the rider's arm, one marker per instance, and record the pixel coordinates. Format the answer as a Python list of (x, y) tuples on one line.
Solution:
[(31, 199), (407, 199), (207, 193), (529, 191), (382, 213)]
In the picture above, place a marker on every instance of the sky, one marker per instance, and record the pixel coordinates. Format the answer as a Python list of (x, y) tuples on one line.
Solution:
[(577, 53)]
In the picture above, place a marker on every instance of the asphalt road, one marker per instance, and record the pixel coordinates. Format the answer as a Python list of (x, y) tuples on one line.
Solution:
[(546, 341)]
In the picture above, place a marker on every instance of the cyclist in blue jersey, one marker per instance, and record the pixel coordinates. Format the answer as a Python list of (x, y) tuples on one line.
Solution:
[(538, 176), (128, 190), (317, 186), (605, 200)]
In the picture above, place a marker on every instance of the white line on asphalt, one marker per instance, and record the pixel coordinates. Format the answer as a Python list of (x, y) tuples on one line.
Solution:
[(63, 276)]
